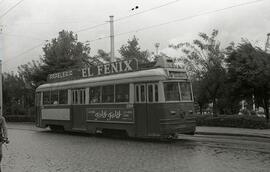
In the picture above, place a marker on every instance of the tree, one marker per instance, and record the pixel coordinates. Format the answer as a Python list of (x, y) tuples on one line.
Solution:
[(102, 56), (17, 97), (204, 59), (249, 71), (132, 50), (32, 74), (64, 52), (60, 54), (201, 96)]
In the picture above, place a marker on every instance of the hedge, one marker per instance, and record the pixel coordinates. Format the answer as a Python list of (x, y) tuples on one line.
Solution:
[(253, 122), (21, 118)]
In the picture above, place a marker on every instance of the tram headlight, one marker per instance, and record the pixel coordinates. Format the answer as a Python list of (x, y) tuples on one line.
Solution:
[(173, 112)]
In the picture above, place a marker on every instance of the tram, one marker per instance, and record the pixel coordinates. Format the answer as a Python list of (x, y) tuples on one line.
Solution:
[(154, 101)]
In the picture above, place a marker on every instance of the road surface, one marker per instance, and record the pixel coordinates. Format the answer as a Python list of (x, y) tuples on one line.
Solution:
[(35, 150)]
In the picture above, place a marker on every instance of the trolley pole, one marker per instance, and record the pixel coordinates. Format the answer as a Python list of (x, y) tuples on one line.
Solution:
[(112, 38)]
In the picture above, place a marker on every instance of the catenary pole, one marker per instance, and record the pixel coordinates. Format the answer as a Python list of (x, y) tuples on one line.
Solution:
[(267, 44), (112, 38), (1, 83)]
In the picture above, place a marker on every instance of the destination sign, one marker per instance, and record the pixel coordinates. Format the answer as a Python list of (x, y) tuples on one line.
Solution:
[(94, 71), (118, 115)]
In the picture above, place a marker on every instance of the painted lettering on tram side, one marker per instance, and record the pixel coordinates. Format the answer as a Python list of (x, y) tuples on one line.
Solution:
[(60, 75), (110, 115), (93, 71)]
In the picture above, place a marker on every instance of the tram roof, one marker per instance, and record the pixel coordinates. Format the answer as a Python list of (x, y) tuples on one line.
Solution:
[(156, 74)]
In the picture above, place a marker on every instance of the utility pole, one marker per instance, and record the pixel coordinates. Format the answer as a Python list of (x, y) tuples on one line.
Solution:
[(1, 82), (112, 38)]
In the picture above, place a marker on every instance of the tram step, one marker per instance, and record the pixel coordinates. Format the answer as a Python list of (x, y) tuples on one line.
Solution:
[(79, 129)]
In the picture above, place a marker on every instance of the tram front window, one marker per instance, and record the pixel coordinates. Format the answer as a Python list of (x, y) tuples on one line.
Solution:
[(54, 97), (185, 91), (177, 91), (171, 91), (46, 97)]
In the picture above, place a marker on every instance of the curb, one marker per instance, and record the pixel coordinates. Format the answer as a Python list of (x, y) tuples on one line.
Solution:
[(232, 134)]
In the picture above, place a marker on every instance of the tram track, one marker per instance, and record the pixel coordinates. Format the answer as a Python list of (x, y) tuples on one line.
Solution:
[(244, 143)]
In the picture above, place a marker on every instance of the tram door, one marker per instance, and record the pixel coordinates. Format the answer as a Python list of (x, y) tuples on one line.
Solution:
[(38, 109), (141, 109), (78, 111), (152, 110), (146, 95)]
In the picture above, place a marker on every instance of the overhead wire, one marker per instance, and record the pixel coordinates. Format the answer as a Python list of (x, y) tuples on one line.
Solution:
[(11, 8), (128, 16), (90, 28), (23, 36), (24, 52), (145, 11), (102, 24), (157, 25), (41, 23), (2, 1), (180, 19)]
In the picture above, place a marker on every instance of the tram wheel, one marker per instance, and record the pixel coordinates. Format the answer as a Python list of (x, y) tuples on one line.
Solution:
[(191, 133), (115, 133)]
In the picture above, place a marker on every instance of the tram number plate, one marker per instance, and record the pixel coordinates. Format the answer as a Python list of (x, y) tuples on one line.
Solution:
[(125, 115)]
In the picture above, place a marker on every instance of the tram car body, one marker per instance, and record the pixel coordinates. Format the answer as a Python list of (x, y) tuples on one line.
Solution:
[(145, 103)]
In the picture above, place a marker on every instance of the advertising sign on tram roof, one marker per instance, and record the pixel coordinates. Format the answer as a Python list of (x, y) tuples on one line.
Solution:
[(95, 70)]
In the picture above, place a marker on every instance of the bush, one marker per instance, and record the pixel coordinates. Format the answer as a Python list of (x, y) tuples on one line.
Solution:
[(253, 122), (20, 114), (19, 119)]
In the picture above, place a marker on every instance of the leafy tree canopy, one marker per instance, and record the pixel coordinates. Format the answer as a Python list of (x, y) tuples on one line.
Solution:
[(102, 56), (64, 52), (132, 50), (249, 71), (32, 74), (204, 59), (61, 53)]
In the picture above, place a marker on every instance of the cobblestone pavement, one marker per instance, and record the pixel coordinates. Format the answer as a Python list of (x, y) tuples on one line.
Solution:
[(44, 151)]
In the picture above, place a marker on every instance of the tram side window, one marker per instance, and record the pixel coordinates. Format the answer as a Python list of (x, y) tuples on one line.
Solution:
[(63, 96), (156, 92), (46, 97), (137, 93), (94, 94), (171, 91), (108, 93), (150, 93), (54, 97), (122, 93), (78, 96), (143, 93), (185, 91)]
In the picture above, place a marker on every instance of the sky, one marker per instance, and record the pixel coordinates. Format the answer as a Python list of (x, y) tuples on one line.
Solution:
[(26, 27)]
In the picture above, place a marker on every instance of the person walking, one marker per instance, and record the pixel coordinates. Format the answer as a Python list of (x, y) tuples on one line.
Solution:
[(3, 135)]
